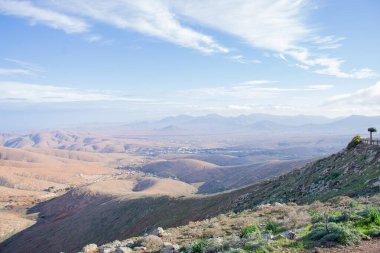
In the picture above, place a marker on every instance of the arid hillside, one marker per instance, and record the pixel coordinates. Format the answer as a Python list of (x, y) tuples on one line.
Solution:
[(103, 218), (212, 178)]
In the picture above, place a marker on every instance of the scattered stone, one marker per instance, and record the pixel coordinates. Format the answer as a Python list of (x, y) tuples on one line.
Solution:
[(169, 248), (90, 248), (267, 236), (106, 249), (278, 237), (160, 232), (128, 243), (367, 238), (139, 248), (123, 250), (291, 235), (116, 243)]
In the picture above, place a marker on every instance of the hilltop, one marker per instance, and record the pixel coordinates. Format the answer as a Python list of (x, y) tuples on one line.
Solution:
[(353, 172)]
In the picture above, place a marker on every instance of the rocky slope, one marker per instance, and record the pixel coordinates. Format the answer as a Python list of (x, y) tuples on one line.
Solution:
[(267, 228), (353, 172)]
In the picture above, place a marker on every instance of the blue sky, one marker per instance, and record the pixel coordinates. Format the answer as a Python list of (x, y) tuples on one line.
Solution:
[(75, 62)]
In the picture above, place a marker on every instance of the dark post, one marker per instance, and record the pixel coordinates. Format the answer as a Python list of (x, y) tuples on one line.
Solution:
[(371, 130)]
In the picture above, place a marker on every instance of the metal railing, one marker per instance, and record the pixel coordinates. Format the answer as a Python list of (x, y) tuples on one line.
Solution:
[(375, 141)]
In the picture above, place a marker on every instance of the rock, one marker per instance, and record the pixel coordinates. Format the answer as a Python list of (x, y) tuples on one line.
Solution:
[(123, 250), (128, 243), (278, 237), (116, 243), (212, 250), (90, 248), (159, 232), (106, 249), (139, 248), (317, 250), (267, 236), (290, 235), (169, 248), (367, 238)]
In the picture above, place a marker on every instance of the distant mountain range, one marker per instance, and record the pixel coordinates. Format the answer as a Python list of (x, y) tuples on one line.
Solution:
[(262, 122)]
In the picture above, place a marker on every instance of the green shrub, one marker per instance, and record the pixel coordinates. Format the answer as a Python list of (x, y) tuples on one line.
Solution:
[(263, 249), (345, 234), (353, 204), (258, 247), (316, 216), (273, 227), (248, 230), (354, 142), (374, 216), (369, 223), (370, 216), (198, 247)]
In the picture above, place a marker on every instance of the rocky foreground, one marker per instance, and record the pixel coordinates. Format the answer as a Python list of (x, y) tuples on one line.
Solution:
[(333, 226)]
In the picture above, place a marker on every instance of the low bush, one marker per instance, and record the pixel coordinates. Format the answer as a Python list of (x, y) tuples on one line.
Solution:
[(151, 242), (354, 142), (296, 219), (199, 247), (273, 227), (370, 221), (249, 230), (346, 234)]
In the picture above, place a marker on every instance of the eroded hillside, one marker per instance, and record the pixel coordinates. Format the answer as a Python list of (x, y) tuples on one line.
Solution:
[(352, 172)]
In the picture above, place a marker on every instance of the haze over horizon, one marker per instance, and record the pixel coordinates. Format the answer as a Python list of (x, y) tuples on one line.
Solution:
[(70, 63)]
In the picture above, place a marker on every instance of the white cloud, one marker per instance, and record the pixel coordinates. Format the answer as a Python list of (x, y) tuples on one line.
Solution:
[(22, 68), (43, 16), (319, 87), (363, 97), (241, 59), (94, 38), (328, 42), (153, 18), (36, 93), (257, 82), (25, 65), (276, 26), (14, 71)]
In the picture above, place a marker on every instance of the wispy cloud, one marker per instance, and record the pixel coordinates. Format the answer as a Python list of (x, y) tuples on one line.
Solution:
[(363, 97), (319, 87), (363, 101), (14, 71), (20, 68), (329, 66), (277, 26), (256, 82), (328, 42), (39, 15), (241, 59), (153, 18), (37, 93)]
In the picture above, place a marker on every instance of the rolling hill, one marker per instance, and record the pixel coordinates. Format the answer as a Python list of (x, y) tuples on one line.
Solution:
[(352, 172), (213, 178)]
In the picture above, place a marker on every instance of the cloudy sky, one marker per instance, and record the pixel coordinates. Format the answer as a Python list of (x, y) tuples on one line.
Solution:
[(74, 62)]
